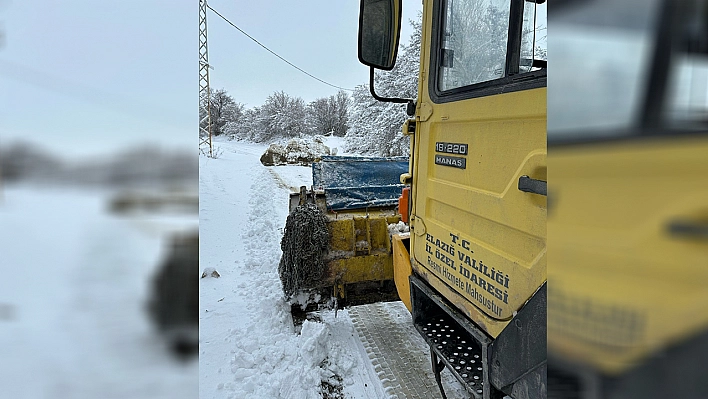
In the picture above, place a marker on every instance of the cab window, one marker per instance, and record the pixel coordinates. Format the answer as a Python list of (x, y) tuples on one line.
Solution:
[(483, 41), (688, 97)]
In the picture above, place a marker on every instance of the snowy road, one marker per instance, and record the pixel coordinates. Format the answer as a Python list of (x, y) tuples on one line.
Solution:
[(248, 345)]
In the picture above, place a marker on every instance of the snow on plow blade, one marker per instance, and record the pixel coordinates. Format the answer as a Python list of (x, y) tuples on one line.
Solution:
[(358, 198)]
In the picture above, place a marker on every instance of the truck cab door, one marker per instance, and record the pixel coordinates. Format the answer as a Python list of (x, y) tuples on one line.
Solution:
[(479, 156)]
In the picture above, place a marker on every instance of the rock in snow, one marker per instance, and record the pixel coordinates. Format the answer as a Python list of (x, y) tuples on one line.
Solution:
[(210, 272)]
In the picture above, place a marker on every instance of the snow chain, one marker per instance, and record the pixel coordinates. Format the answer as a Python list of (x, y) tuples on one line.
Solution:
[(304, 244)]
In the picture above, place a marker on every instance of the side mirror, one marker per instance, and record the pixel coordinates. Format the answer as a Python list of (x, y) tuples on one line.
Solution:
[(379, 29)]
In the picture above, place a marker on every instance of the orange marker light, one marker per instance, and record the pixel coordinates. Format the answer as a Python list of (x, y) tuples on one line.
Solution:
[(403, 204)]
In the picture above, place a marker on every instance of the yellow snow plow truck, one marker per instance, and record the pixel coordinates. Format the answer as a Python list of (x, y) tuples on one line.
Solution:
[(472, 269)]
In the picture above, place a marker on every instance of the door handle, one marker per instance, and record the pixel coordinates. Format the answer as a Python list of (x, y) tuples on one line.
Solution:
[(688, 229), (529, 185)]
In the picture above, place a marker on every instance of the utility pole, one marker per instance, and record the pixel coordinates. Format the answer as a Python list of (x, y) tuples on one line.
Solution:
[(204, 90)]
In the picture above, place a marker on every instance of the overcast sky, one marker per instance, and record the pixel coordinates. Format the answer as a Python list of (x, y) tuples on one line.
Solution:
[(88, 77), (319, 36)]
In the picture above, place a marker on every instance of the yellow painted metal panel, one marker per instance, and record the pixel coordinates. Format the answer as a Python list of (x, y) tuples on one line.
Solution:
[(402, 268), (621, 286), (355, 269), (476, 238), (360, 247), (341, 234)]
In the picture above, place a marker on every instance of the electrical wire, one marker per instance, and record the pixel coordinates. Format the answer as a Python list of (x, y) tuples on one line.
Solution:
[(274, 53)]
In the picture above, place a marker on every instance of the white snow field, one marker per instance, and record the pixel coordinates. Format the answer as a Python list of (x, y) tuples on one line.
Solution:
[(248, 345), (73, 290)]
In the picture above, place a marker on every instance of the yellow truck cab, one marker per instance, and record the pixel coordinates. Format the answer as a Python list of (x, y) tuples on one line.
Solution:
[(473, 269)]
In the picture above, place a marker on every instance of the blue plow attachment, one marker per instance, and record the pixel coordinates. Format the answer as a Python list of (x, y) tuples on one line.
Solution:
[(359, 182)]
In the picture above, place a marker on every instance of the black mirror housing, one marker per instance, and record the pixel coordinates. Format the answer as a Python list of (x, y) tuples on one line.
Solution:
[(379, 30)]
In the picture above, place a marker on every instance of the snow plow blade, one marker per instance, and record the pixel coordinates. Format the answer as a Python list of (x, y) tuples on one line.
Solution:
[(357, 198)]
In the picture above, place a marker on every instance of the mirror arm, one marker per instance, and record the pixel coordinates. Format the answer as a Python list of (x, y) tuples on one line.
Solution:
[(387, 99)]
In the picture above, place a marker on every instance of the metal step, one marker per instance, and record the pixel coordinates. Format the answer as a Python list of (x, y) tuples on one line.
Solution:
[(455, 342), (460, 353)]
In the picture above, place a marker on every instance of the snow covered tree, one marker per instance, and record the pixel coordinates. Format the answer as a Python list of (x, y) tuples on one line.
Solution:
[(283, 116), (249, 127), (342, 101), (224, 109), (321, 116), (330, 115), (375, 127)]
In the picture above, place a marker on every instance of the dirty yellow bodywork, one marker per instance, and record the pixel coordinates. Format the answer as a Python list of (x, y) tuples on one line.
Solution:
[(402, 268), (626, 279), (359, 248), (475, 237)]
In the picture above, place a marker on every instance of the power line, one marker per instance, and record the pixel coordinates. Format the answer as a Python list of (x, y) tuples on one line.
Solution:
[(274, 53)]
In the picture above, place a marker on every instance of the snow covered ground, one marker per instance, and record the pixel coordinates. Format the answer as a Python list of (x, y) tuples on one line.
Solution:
[(248, 345), (72, 299)]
